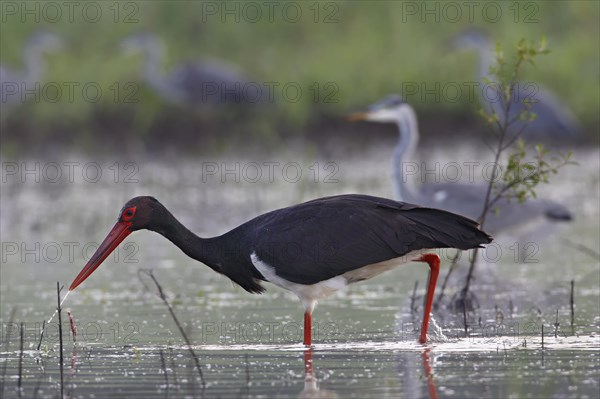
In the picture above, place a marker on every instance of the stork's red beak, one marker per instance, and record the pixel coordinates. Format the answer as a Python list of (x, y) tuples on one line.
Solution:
[(112, 240)]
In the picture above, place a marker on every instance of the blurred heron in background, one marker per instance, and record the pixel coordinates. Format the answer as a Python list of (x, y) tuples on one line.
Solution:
[(464, 199), (15, 83), (554, 122), (205, 82)]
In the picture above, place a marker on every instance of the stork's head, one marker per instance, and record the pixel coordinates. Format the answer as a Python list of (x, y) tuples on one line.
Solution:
[(137, 214)]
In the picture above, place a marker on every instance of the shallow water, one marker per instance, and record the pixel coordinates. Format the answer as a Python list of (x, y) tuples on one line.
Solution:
[(248, 345)]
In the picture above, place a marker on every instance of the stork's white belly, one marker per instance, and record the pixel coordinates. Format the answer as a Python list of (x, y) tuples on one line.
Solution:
[(309, 294)]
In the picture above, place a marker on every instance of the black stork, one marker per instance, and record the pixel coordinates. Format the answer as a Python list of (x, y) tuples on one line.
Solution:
[(312, 249)]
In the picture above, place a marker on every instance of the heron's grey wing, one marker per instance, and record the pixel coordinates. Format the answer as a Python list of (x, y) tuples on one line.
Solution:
[(554, 121), (224, 71), (511, 214), (467, 200), (555, 117), (210, 82), (464, 199)]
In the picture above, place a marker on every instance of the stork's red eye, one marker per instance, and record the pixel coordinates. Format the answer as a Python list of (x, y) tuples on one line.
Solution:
[(128, 214)]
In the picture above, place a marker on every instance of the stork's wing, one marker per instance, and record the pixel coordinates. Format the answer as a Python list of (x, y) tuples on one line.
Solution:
[(327, 237)]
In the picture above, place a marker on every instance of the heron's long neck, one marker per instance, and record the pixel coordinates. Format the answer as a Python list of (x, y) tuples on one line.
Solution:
[(486, 59), (153, 65), (34, 64), (403, 155)]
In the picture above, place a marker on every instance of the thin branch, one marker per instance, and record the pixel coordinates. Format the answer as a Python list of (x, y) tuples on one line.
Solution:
[(9, 329), (515, 138), (42, 334), (413, 297), (59, 310), (20, 380), (163, 368), (173, 367), (507, 86), (488, 145), (572, 303), (181, 330), (542, 336)]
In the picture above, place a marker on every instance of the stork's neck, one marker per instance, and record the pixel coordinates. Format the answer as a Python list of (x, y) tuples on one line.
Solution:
[(403, 155), (204, 250)]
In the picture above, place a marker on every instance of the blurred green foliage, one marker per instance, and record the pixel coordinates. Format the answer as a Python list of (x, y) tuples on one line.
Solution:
[(367, 50)]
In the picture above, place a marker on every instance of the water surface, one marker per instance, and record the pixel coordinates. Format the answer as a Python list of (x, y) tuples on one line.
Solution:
[(248, 345)]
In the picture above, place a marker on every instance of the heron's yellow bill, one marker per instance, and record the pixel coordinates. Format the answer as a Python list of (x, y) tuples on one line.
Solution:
[(357, 116)]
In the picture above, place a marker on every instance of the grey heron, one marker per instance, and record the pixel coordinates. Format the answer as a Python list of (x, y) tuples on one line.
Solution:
[(463, 199), (204, 82), (554, 122), (14, 83)]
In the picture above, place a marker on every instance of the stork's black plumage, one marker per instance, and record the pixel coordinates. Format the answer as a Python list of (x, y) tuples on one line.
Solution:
[(313, 248), (327, 237)]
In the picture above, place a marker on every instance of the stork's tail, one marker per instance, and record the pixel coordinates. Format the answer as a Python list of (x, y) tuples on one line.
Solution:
[(449, 230)]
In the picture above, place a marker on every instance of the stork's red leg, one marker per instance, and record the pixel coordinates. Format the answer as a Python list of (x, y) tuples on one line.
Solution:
[(433, 261), (308, 328)]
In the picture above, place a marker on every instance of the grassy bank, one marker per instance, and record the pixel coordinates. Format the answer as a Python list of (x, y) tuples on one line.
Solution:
[(341, 56)]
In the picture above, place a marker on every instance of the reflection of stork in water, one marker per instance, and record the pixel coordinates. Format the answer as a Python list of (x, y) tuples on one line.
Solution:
[(461, 198), (554, 122), (429, 374), (311, 389), (205, 82), (15, 83), (416, 376), (411, 387)]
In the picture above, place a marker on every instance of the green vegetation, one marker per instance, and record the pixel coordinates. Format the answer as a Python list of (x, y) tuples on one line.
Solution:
[(368, 50), (527, 165), (523, 171)]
